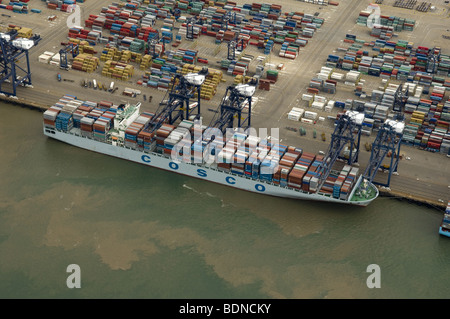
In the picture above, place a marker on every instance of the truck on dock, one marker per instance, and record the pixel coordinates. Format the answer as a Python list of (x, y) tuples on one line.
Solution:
[(302, 131)]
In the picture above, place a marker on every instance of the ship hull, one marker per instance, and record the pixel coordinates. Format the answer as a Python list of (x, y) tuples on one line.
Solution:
[(157, 160), (444, 232)]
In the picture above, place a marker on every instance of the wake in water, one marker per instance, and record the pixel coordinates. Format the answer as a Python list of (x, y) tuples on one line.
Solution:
[(192, 189), (222, 201), (196, 191)]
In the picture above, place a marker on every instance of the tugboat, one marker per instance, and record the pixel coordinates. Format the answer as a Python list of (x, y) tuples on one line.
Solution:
[(444, 229)]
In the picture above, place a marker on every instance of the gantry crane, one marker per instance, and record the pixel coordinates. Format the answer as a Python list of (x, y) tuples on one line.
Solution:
[(434, 56), (346, 133), (178, 103), (70, 48), (228, 18), (190, 27), (388, 141), (152, 41), (13, 49), (236, 103), (233, 45), (400, 98)]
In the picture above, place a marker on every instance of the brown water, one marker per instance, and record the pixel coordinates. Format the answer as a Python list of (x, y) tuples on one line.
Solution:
[(138, 232)]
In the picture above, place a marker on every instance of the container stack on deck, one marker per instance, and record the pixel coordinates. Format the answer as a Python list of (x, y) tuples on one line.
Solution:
[(286, 165), (93, 119), (340, 181), (134, 129), (349, 183), (82, 111), (161, 134)]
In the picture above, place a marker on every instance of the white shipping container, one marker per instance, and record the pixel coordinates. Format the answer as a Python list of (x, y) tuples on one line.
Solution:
[(337, 76), (295, 116), (299, 110), (318, 105), (319, 98), (56, 57), (323, 76), (310, 115), (326, 69), (50, 115), (44, 58), (23, 44), (307, 121)]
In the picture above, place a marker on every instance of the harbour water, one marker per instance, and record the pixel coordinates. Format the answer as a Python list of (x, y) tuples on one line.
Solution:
[(138, 232)]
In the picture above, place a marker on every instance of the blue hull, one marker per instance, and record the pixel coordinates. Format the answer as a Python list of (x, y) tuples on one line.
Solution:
[(443, 232)]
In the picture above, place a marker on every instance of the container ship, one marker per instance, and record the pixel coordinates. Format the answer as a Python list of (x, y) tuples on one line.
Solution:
[(444, 229), (247, 162)]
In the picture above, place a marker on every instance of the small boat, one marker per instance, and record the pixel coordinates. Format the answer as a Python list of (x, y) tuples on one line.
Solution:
[(444, 229)]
